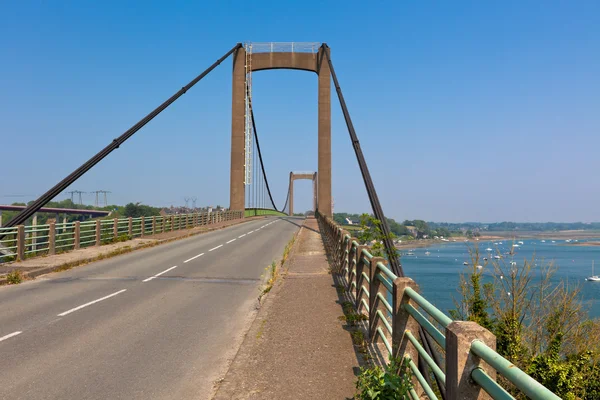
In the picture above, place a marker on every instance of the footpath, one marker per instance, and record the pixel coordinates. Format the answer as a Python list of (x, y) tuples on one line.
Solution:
[(296, 347), (36, 266)]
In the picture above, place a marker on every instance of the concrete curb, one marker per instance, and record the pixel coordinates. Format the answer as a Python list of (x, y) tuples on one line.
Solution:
[(34, 273)]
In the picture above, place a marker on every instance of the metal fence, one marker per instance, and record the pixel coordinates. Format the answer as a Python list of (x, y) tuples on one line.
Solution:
[(395, 311), (21, 242), (283, 47)]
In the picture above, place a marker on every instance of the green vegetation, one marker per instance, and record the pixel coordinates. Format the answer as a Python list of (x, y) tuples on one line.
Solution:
[(14, 277), (418, 229), (391, 382), (540, 326)]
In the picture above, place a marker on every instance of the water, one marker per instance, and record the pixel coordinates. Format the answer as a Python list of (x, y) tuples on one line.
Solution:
[(438, 274)]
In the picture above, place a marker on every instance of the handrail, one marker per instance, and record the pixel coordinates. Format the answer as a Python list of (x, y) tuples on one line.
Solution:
[(532, 388), (373, 286)]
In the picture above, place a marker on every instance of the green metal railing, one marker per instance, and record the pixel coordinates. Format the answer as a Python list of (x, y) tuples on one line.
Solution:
[(252, 212), (22, 242), (376, 291)]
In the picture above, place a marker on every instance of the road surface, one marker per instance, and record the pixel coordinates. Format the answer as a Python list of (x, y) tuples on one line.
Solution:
[(159, 323)]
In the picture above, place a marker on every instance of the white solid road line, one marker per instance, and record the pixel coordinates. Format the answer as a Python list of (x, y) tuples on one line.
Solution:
[(90, 303), (193, 258), (10, 335), (159, 274), (232, 240), (241, 236), (214, 248)]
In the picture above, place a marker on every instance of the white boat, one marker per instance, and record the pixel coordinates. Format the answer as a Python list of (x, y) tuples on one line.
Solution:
[(499, 242), (520, 242), (489, 249), (543, 241), (465, 263), (497, 257), (593, 278), (515, 245), (427, 253)]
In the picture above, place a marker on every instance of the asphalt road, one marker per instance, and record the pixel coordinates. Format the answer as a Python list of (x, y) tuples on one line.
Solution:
[(159, 323)]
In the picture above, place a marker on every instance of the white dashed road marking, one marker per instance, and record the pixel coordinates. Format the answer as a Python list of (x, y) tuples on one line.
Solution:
[(193, 258), (159, 274), (232, 240), (10, 335), (214, 248), (90, 303)]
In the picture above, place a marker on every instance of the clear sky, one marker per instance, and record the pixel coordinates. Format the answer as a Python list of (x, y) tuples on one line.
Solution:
[(466, 111)]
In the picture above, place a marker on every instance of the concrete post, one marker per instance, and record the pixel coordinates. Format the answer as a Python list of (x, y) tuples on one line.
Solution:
[(460, 361), (324, 166), (351, 262), (130, 227), (115, 227), (20, 243), (143, 226), (360, 265), (402, 321), (0, 219), (33, 232), (374, 303), (52, 238), (291, 199), (98, 232), (77, 236), (238, 108), (154, 225)]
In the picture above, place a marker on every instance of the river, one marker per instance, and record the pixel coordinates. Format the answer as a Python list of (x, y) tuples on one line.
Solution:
[(438, 273)]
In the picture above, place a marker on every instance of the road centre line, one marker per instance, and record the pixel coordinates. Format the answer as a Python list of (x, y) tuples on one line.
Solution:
[(10, 335), (90, 303), (241, 236), (159, 274), (250, 232), (232, 240), (193, 258), (214, 248)]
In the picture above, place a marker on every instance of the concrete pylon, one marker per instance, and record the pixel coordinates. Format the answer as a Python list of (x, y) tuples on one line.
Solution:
[(312, 62), (291, 199)]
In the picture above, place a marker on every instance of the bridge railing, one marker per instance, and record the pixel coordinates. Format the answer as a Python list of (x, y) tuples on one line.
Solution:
[(396, 313), (251, 212), (21, 242)]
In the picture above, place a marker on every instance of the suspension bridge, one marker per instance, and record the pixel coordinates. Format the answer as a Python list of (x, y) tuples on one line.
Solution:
[(194, 295)]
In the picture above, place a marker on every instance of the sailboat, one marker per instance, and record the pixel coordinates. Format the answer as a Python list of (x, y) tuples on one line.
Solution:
[(593, 278)]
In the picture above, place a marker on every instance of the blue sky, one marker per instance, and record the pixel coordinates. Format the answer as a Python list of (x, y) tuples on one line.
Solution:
[(470, 110)]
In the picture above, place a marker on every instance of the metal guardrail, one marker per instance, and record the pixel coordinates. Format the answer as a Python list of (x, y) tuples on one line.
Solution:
[(20, 242), (395, 311), (283, 47)]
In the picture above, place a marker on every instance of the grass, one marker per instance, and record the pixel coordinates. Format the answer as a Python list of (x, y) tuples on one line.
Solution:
[(261, 329), (14, 277), (273, 269)]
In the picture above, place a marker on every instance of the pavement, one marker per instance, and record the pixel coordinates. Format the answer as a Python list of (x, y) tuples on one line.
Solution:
[(296, 348), (158, 323)]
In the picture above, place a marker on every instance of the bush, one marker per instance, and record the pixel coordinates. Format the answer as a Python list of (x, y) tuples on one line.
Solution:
[(389, 383), (14, 277)]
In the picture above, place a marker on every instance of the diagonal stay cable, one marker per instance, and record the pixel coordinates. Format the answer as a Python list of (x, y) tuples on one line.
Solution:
[(62, 185), (262, 166), (372, 193)]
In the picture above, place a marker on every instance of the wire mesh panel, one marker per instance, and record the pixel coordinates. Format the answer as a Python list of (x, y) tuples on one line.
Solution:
[(284, 47)]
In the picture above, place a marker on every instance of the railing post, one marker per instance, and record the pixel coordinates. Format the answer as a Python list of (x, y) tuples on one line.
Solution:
[(143, 226), (374, 303), (403, 322), (154, 224), (116, 227), (20, 242), (358, 279), (98, 232), (130, 227), (460, 361), (351, 259), (52, 238), (77, 236), (343, 251)]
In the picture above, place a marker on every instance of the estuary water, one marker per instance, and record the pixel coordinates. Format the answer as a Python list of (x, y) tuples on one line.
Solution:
[(438, 273)]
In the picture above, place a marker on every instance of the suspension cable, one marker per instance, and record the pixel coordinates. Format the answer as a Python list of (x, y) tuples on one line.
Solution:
[(262, 166), (364, 170), (62, 185)]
